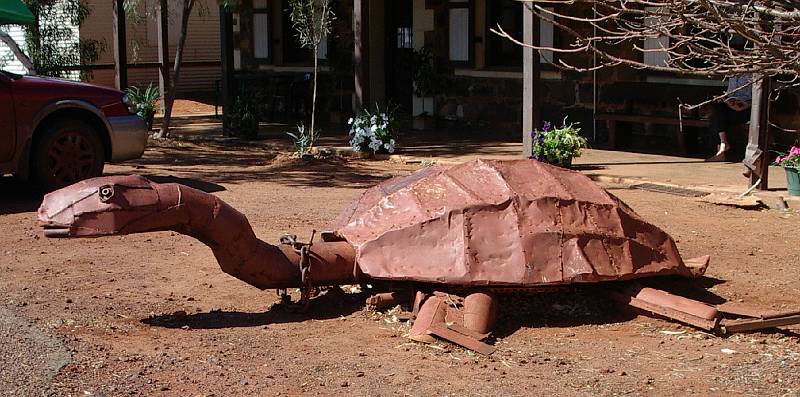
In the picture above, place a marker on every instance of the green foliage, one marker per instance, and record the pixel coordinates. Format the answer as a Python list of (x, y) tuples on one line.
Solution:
[(303, 139), (374, 132), (246, 114), (144, 101), (312, 20), (557, 145), (53, 45), (429, 78)]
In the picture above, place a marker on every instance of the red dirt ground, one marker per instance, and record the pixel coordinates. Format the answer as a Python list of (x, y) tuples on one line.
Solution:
[(153, 315)]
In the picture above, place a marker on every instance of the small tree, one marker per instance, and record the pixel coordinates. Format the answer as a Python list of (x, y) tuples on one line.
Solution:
[(696, 37), (188, 6), (312, 19), (52, 43)]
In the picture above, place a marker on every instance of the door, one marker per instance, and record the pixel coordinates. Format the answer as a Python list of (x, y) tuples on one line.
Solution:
[(8, 130), (399, 54)]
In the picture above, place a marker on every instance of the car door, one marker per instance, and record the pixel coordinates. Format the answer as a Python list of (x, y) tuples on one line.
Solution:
[(8, 129)]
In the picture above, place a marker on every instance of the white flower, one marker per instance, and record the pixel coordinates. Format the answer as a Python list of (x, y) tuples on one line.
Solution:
[(350, 121), (375, 145), (389, 146)]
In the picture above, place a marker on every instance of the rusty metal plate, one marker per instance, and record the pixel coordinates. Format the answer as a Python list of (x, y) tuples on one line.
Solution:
[(515, 223)]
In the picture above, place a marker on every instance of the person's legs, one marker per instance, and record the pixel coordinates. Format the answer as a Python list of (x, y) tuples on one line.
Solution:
[(718, 127), (722, 118)]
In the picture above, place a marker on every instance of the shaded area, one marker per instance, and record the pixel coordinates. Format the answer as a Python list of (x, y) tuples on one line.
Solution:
[(233, 163), (16, 196), (327, 306)]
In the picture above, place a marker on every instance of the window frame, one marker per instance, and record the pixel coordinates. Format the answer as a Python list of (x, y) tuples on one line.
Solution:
[(488, 47), (470, 6), (270, 48)]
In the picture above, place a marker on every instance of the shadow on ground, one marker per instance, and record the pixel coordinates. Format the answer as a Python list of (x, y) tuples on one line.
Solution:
[(17, 197), (232, 163), (324, 307)]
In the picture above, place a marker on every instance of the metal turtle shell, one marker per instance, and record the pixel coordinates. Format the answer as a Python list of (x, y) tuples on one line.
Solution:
[(502, 223)]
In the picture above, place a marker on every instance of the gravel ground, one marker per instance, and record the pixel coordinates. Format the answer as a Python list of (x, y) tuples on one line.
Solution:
[(29, 358)]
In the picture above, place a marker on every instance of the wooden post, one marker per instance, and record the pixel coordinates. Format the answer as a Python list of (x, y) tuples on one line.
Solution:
[(163, 52), (120, 46), (360, 30), (530, 70), (226, 47), (759, 129)]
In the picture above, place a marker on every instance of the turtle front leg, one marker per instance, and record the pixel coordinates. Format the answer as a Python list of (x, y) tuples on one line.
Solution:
[(464, 321)]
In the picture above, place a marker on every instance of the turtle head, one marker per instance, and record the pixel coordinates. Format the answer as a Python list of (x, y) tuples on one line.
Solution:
[(100, 207)]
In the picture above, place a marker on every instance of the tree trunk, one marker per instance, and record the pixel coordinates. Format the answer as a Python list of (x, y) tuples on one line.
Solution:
[(26, 62), (314, 98), (170, 99)]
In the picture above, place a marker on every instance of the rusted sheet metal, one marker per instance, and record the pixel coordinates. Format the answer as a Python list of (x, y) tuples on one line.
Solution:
[(119, 205), (752, 324), (745, 310), (462, 340), (503, 223), (671, 306)]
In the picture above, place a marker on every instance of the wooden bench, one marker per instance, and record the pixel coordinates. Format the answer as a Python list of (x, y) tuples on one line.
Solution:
[(612, 119)]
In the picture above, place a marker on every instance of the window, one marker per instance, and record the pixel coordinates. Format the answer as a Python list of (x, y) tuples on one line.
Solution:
[(293, 52), (404, 37), (655, 58), (459, 31), (546, 36), (261, 30), (500, 51)]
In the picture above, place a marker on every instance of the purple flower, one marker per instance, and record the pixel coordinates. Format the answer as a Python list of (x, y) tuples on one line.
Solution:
[(547, 126)]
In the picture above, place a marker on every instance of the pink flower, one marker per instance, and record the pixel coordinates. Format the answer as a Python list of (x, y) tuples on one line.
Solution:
[(795, 151), (778, 160)]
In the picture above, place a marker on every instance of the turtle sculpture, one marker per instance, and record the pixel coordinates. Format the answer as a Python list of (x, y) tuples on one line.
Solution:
[(458, 235)]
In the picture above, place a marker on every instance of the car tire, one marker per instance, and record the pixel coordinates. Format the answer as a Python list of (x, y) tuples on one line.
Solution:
[(67, 151)]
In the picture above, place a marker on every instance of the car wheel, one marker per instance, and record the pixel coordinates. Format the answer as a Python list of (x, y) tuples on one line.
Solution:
[(68, 151)]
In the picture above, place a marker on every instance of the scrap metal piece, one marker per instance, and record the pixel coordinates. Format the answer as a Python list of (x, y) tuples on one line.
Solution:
[(674, 307), (503, 223), (752, 324), (462, 340)]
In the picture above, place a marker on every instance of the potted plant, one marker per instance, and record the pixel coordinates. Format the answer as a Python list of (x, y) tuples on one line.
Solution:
[(144, 102), (427, 82), (373, 132), (791, 164), (557, 146)]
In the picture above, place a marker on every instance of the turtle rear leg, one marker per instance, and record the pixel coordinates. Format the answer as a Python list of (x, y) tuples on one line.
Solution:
[(464, 321)]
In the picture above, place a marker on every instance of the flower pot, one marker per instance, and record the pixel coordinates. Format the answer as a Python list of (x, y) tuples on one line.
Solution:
[(793, 181)]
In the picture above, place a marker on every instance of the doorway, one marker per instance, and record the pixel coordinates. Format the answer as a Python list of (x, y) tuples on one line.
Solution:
[(399, 55)]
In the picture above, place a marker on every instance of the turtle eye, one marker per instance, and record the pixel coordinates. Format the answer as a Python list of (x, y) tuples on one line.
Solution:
[(106, 192)]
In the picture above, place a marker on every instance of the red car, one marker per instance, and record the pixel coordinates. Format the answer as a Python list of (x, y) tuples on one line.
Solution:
[(56, 132)]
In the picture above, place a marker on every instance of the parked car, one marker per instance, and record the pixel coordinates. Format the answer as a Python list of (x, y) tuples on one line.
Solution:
[(56, 132)]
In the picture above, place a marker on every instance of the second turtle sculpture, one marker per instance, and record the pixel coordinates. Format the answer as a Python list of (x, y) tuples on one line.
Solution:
[(458, 235)]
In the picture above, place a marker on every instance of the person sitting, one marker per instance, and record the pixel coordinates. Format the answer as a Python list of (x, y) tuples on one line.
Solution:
[(732, 111)]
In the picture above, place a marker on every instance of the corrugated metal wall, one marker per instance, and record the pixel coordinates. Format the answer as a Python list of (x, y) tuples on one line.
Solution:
[(7, 59), (202, 44)]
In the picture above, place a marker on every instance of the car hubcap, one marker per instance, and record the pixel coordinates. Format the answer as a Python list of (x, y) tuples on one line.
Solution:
[(71, 158)]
